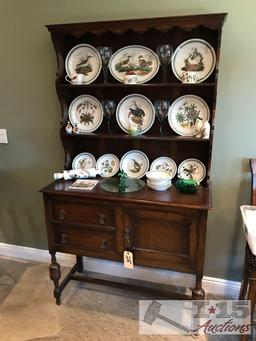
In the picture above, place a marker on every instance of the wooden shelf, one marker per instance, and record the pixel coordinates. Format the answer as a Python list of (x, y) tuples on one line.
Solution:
[(139, 137), (130, 86)]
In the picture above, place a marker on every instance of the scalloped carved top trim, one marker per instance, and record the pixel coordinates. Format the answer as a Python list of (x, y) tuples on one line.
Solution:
[(188, 22)]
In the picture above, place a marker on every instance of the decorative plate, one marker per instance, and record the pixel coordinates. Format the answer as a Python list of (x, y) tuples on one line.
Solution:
[(85, 111), (84, 161), (184, 112), (83, 59), (135, 164), (166, 164), (135, 111), (192, 169), (109, 163), (134, 59), (194, 55)]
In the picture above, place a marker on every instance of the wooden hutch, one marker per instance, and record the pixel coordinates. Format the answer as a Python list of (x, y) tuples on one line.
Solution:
[(164, 230)]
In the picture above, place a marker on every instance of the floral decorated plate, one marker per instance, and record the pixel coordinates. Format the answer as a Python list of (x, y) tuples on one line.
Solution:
[(165, 164), (185, 111), (134, 59), (135, 111), (135, 164), (192, 169), (109, 163), (83, 59), (86, 112), (84, 161), (195, 55)]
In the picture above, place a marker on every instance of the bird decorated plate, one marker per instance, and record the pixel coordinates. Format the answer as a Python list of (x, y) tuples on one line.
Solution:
[(194, 55), (135, 112), (135, 164), (185, 111), (192, 169), (86, 113), (83, 59), (84, 161), (165, 164), (109, 164), (136, 60)]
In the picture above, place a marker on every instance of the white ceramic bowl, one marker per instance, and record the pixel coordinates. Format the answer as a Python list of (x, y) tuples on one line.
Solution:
[(158, 176), (159, 187), (160, 182)]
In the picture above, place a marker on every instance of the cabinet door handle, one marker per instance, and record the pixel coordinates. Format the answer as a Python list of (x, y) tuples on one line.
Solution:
[(104, 244), (64, 238), (102, 218), (62, 215), (127, 237)]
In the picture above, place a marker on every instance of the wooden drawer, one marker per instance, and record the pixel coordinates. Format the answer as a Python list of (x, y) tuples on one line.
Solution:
[(77, 213), (84, 239)]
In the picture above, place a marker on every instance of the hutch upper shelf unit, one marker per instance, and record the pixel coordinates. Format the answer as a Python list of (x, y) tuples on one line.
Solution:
[(163, 229)]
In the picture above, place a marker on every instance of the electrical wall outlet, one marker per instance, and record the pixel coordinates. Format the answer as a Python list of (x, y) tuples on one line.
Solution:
[(3, 136)]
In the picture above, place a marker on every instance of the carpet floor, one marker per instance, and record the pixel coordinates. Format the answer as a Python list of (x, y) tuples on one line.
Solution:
[(88, 312)]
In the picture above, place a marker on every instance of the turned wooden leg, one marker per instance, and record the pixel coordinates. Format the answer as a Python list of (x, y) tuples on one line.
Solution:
[(80, 265), (55, 274), (198, 292), (245, 280)]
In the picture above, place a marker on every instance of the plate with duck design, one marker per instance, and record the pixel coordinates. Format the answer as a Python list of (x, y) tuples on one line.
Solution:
[(137, 112), (136, 60), (83, 59), (192, 169), (135, 164), (195, 55)]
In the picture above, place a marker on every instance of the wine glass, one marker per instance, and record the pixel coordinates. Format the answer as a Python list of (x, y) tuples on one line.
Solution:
[(105, 53), (164, 53), (109, 107), (161, 109)]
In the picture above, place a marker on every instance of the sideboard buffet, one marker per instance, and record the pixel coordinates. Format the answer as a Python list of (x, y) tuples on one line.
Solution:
[(165, 230)]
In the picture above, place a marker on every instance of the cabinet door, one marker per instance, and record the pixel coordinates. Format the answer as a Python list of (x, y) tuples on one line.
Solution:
[(164, 239)]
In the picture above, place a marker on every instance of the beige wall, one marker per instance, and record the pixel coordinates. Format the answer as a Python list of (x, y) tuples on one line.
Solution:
[(31, 114)]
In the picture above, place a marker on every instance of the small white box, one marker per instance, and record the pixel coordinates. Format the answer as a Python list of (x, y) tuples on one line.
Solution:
[(249, 218)]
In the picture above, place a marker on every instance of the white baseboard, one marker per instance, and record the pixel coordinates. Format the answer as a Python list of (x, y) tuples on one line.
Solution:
[(215, 286)]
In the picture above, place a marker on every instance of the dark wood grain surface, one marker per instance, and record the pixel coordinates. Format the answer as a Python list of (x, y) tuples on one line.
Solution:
[(213, 21), (171, 197)]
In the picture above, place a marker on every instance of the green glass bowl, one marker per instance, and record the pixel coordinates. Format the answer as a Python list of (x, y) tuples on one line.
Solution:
[(188, 186)]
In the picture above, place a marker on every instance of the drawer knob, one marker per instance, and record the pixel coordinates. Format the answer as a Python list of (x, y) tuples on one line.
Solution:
[(104, 244), (64, 238), (62, 215), (102, 219)]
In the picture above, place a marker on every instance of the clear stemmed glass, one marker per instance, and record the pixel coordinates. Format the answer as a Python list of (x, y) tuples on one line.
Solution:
[(105, 53), (109, 107), (161, 109), (164, 53)]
